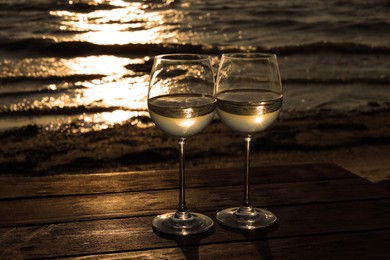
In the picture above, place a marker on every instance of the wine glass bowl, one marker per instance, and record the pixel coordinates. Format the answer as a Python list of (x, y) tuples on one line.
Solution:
[(181, 98), (249, 100), (181, 102)]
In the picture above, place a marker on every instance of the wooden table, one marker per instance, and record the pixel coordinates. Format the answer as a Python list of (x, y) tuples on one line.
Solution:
[(324, 211)]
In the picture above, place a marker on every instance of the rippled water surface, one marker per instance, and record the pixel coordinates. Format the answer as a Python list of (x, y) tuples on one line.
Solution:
[(87, 62)]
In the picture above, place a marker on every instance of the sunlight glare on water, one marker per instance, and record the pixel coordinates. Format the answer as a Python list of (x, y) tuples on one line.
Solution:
[(109, 94), (124, 23), (111, 84), (104, 65), (96, 91), (85, 60), (120, 89)]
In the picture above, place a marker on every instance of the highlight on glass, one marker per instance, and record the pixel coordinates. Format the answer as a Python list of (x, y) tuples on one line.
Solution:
[(249, 99), (181, 102)]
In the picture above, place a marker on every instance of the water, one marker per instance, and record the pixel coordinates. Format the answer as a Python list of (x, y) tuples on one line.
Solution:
[(87, 63)]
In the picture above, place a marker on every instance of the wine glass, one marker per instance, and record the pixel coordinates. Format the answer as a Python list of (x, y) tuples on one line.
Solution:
[(181, 102), (249, 99)]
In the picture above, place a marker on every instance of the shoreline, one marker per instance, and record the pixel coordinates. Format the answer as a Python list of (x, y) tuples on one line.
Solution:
[(359, 142)]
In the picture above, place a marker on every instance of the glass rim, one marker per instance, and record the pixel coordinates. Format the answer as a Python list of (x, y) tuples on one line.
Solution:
[(249, 55), (182, 57)]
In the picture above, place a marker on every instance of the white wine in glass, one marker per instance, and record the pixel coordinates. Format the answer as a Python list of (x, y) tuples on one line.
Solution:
[(249, 99), (181, 102)]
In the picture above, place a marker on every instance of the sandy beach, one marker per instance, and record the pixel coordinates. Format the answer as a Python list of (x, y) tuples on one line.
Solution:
[(358, 142)]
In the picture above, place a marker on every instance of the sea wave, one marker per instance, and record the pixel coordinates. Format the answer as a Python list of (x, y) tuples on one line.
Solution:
[(79, 6), (50, 47), (60, 111), (333, 81), (50, 91), (50, 79), (335, 47)]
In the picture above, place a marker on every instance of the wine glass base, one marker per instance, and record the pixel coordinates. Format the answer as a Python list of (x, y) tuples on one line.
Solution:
[(258, 218), (168, 223)]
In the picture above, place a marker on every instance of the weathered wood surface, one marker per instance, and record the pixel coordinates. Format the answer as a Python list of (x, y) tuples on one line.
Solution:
[(88, 207), (71, 184), (116, 235), (342, 246), (323, 212)]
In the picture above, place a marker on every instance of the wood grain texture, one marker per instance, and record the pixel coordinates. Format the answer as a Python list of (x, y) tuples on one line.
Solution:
[(127, 234), (324, 212), (84, 207), (72, 184), (336, 247)]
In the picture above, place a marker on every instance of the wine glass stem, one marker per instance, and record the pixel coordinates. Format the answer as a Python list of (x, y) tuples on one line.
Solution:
[(246, 202), (182, 198)]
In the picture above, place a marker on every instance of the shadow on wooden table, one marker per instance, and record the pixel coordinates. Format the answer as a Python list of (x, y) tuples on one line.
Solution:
[(189, 245), (258, 238)]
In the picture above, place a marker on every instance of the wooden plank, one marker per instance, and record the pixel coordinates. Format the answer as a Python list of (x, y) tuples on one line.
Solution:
[(85, 207), (359, 245), (130, 234), (71, 184)]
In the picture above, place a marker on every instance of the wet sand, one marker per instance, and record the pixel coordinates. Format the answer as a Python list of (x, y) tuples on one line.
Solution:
[(358, 142)]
